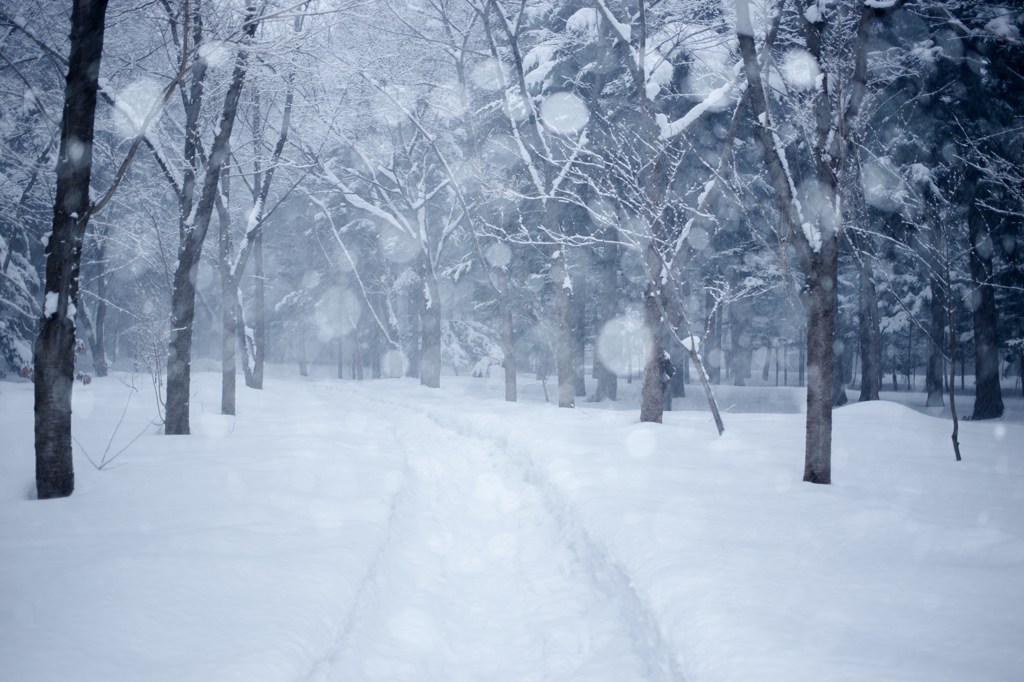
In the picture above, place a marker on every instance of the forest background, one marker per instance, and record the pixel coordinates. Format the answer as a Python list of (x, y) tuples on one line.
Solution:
[(688, 193)]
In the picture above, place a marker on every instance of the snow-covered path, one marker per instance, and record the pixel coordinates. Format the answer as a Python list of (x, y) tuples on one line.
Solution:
[(477, 581), (384, 531)]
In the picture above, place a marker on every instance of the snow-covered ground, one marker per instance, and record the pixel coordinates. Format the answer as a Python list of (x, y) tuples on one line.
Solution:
[(382, 531)]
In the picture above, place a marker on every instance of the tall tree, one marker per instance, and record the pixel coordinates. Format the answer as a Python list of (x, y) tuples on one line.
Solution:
[(814, 226), (55, 345), (194, 224)]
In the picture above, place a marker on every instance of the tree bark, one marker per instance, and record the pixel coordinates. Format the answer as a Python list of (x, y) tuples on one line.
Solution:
[(741, 355), (54, 349), (652, 398), (228, 303), (96, 344), (417, 301), (303, 368), (579, 337), (815, 237), (988, 403), (508, 345), (194, 226), (839, 397), (563, 322), (712, 346), (820, 359), (937, 332), (869, 335), (607, 380), (430, 361), (357, 358), (260, 328)]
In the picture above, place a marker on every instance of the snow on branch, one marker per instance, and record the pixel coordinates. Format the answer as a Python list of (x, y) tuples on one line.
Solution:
[(693, 116)]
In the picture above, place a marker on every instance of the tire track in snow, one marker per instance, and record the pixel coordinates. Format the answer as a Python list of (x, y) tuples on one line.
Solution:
[(638, 621), (477, 580)]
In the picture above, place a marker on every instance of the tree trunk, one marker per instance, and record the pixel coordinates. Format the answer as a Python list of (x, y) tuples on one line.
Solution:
[(785, 365), (652, 394), (839, 397), (869, 336), (607, 380), (54, 350), (563, 324), (988, 403), (99, 353), (820, 359), (579, 337), (801, 366), (341, 356), (193, 227), (712, 346), (228, 303), (741, 355), (303, 367), (508, 345), (430, 362), (245, 341), (260, 328), (937, 332), (417, 301), (357, 358)]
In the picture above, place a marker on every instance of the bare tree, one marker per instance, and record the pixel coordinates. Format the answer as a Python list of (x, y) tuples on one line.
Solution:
[(55, 345)]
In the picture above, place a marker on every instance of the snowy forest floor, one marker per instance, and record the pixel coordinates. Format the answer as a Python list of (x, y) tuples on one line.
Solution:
[(340, 530)]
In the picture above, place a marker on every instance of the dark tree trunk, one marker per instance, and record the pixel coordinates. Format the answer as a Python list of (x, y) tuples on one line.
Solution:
[(563, 324), (817, 254), (508, 344), (712, 347), (669, 369), (839, 397), (680, 362), (193, 233), (802, 365), (98, 347), (937, 332), (988, 403), (301, 341), (375, 353), (341, 356), (417, 301), (228, 302), (820, 359), (579, 337), (869, 337), (54, 350), (607, 380), (260, 328), (430, 362), (785, 365), (652, 396), (357, 359), (741, 355), (245, 341)]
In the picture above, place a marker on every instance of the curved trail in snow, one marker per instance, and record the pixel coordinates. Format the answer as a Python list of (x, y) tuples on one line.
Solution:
[(479, 580)]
